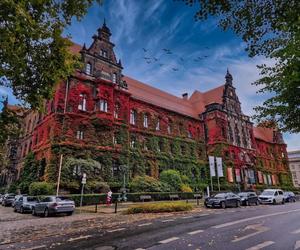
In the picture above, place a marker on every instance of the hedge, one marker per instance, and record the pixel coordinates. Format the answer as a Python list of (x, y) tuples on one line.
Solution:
[(159, 207), (92, 199)]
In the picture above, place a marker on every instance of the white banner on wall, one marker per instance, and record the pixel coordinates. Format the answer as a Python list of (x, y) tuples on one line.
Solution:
[(219, 167), (212, 166)]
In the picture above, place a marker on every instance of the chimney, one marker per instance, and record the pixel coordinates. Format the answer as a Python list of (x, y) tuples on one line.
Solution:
[(185, 96)]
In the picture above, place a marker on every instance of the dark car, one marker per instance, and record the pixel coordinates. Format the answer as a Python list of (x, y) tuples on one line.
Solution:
[(248, 198), (8, 200), (223, 200), (25, 203), (52, 205), (289, 197)]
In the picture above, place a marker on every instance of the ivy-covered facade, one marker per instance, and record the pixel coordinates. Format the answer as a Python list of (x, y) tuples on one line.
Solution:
[(101, 115)]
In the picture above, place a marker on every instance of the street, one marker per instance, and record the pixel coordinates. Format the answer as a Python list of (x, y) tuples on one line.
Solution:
[(251, 228)]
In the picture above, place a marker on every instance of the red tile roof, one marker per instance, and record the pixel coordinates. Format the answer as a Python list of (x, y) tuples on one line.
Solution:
[(262, 133), (190, 107), (75, 48)]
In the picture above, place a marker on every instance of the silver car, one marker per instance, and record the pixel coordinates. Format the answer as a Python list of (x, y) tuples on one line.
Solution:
[(52, 205)]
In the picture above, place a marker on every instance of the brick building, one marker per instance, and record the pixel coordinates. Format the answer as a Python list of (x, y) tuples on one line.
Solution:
[(101, 114)]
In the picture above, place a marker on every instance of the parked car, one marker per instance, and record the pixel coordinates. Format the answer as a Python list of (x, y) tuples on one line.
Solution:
[(248, 198), (16, 198), (52, 205), (1, 198), (8, 200), (271, 196), (25, 203), (223, 200), (289, 197)]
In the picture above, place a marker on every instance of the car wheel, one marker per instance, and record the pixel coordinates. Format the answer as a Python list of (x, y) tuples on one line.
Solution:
[(282, 202), (247, 203), (223, 205), (22, 210), (33, 212), (238, 203), (46, 212), (69, 213), (274, 202), (15, 210), (294, 200), (256, 203)]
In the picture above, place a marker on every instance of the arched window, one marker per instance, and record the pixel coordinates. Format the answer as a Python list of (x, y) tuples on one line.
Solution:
[(82, 102), (133, 116), (88, 68), (114, 78)]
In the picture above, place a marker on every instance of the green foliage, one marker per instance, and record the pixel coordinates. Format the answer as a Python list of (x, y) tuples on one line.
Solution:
[(185, 188), (73, 169), (172, 178), (41, 188), (34, 55), (29, 174), (147, 184), (159, 207), (270, 28), (97, 187)]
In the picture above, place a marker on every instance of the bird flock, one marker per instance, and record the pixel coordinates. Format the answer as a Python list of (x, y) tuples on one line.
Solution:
[(180, 61)]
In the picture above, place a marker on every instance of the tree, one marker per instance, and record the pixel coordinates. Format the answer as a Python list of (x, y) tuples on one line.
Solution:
[(34, 56), (270, 28)]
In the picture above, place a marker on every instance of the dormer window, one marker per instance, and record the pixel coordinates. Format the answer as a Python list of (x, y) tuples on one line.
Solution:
[(88, 69), (82, 102)]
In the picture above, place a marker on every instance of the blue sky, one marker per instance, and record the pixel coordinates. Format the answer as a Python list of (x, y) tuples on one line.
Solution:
[(166, 24)]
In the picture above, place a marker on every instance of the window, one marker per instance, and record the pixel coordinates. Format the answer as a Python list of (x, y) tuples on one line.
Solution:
[(190, 135), (133, 142), (82, 102), (79, 135), (103, 105), (117, 110), (145, 121), (103, 53), (133, 117), (88, 68), (169, 129), (114, 78), (157, 125)]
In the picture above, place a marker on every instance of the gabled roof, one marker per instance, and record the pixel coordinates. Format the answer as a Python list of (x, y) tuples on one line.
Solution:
[(262, 133)]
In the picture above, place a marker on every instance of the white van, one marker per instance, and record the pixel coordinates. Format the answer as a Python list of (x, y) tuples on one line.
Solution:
[(271, 196)]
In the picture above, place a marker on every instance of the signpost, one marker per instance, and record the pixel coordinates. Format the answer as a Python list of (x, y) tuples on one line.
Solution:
[(83, 182)]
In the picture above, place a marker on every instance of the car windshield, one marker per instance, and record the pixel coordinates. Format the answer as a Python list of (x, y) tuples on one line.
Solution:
[(268, 192), (243, 194), (61, 198), (219, 196)]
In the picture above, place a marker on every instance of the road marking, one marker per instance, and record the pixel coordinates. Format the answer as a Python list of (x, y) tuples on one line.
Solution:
[(164, 221), (203, 214), (140, 249), (116, 230), (79, 238), (296, 231), (261, 245), (253, 218), (259, 229), (187, 217), (168, 240), (145, 224), (297, 245), (36, 247), (195, 232)]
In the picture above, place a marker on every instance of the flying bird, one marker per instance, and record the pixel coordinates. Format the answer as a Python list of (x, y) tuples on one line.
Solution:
[(145, 50), (155, 59), (175, 69), (161, 64), (181, 59), (147, 58)]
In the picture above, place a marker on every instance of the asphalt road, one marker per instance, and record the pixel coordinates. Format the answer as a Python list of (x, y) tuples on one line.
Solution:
[(251, 228)]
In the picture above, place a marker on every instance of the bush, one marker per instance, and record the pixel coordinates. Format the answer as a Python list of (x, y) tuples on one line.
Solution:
[(159, 207), (172, 178), (147, 184), (186, 188), (41, 188), (97, 187)]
